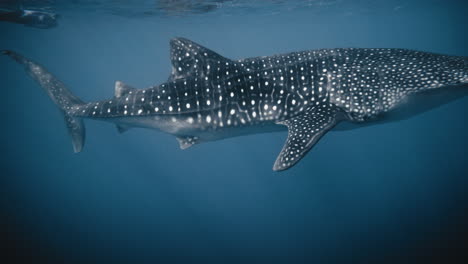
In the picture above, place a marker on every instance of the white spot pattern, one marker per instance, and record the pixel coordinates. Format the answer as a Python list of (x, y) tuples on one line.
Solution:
[(209, 92)]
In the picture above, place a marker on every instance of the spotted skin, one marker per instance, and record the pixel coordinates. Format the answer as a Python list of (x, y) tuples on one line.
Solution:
[(208, 97), (304, 131)]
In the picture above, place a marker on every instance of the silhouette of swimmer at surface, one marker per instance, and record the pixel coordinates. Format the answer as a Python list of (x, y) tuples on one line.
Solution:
[(31, 18)]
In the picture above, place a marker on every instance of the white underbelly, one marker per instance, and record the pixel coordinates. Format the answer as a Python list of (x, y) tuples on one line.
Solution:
[(183, 127)]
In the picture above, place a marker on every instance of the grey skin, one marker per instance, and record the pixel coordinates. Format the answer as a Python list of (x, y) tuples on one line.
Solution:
[(208, 97), (31, 18)]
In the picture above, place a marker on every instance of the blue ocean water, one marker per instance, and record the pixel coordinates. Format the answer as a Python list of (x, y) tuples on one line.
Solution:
[(393, 192)]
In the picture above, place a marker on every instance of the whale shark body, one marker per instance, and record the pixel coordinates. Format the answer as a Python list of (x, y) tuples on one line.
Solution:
[(209, 97)]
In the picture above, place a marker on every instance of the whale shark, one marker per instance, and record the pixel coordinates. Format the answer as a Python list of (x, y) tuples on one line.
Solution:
[(208, 97)]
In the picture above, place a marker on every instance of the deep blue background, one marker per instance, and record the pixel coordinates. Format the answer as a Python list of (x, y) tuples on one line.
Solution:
[(393, 192)]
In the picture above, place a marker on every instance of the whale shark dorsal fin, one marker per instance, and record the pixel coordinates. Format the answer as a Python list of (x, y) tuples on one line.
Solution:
[(191, 59), (122, 89), (304, 131)]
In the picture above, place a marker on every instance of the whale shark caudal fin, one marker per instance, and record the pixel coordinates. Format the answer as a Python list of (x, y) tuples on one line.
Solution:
[(59, 94), (304, 131)]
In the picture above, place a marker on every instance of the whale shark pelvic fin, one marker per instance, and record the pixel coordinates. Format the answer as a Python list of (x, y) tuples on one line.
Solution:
[(187, 142), (122, 128), (304, 131)]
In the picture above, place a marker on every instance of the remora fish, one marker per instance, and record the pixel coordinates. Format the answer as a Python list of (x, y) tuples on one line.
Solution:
[(208, 97)]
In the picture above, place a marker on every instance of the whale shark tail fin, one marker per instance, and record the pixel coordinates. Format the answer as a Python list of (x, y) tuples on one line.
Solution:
[(59, 94)]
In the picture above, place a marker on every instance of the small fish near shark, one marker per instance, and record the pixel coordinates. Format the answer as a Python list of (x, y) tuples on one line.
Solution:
[(209, 97)]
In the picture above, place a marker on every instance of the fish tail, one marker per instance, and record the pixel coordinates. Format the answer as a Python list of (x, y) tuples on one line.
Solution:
[(59, 94)]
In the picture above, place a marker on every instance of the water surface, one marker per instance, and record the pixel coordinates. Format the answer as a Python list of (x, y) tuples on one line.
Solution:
[(388, 193)]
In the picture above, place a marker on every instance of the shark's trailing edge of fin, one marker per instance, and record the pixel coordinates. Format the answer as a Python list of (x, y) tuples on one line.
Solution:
[(122, 89), (122, 128), (304, 131), (59, 94), (187, 142), (77, 131), (189, 59)]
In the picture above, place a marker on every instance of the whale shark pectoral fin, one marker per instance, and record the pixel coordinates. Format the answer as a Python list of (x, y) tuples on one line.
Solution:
[(187, 142), (189, 58), (304, 131), (122, 89)]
